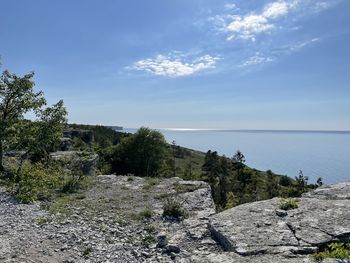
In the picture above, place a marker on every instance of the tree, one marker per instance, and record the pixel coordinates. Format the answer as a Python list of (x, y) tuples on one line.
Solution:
[(48, 131), (142, 153), (301, 181), (211, 166), (319, 181), (173, 146), (17, 97), (239, 157), (271, 184)]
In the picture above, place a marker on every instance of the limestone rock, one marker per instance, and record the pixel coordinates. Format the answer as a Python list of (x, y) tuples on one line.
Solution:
[(260, 229), (332, 192), (86, 162)]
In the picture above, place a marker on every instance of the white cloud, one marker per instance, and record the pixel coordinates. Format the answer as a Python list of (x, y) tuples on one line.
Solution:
[(250, 25), (175, 65), (276, 9), (247, 27), (257, 59), (230, 6), (299, 46)]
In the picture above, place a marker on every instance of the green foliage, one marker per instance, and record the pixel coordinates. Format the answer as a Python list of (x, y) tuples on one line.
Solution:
[(141, 154), (288, 204), (148, 240), (234, 183), (87, 251), (333, 250), (232, 200), (174, 209), (301, 182), (37, 182), (185, 188), (41, 220), (150, 228), (60, 206), (285, 181), (17, 97), (103, 136), (147, 213)]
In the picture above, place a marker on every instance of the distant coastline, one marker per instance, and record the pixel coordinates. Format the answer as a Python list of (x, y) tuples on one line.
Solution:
[(243, 130)]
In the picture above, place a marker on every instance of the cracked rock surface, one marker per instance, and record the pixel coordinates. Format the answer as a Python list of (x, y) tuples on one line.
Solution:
[(261, 232)]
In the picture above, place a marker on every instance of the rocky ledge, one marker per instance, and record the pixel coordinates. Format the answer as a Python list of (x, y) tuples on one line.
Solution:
[(119, 219), (261, 232)]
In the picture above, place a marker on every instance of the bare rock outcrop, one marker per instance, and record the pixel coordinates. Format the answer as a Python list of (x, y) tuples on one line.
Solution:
[(261, 231)]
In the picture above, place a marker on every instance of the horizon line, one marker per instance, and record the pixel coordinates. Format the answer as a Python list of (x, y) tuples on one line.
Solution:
[(250, 130)]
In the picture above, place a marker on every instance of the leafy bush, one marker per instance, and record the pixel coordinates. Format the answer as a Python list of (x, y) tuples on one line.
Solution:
[(174, 209), (334, 250), (37, 182), (141, 154), (288, 204)]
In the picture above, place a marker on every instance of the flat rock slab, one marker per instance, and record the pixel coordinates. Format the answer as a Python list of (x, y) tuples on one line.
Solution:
[(260, 228), (339, 191)]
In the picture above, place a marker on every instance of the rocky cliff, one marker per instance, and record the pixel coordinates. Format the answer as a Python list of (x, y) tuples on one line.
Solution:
[(119, 219)]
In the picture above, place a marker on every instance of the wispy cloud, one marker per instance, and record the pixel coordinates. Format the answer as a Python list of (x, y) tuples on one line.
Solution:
[(257, 59), (175, 64), (249, 25), (230, 6)]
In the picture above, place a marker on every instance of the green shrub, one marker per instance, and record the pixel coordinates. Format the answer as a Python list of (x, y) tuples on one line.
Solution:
[(288, 204), (41, 220), (150, 228), (333, 250), (148, 240), (174, 209), (185, 188), (147, 213), (87, 251), (37, 182)]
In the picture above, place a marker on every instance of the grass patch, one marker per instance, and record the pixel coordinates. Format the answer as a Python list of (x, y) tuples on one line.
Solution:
[(185, 188), (87, 251), (147, 213), (163, 195), (174, 210), (333, 250), (61, 206), (148, 240), (150, 228), (41, 220), (150, 182), (288, 204), (120, 221)]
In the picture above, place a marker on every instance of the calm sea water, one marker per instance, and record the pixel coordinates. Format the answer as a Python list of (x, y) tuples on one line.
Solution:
[(317, 154)]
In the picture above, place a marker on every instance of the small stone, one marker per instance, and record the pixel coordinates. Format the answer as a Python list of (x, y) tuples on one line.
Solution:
[(281, 213), (162, 240), (173, 249)]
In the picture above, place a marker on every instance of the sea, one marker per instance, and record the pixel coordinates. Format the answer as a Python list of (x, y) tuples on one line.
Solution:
[(324, 154)]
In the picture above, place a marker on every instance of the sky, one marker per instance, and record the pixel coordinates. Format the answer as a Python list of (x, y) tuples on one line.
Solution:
[(245, 64)]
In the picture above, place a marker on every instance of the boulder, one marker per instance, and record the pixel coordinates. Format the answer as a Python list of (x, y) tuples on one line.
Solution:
[(86, 162)]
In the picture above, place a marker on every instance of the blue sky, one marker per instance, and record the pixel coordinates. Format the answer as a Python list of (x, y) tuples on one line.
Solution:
[(248, 64)]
